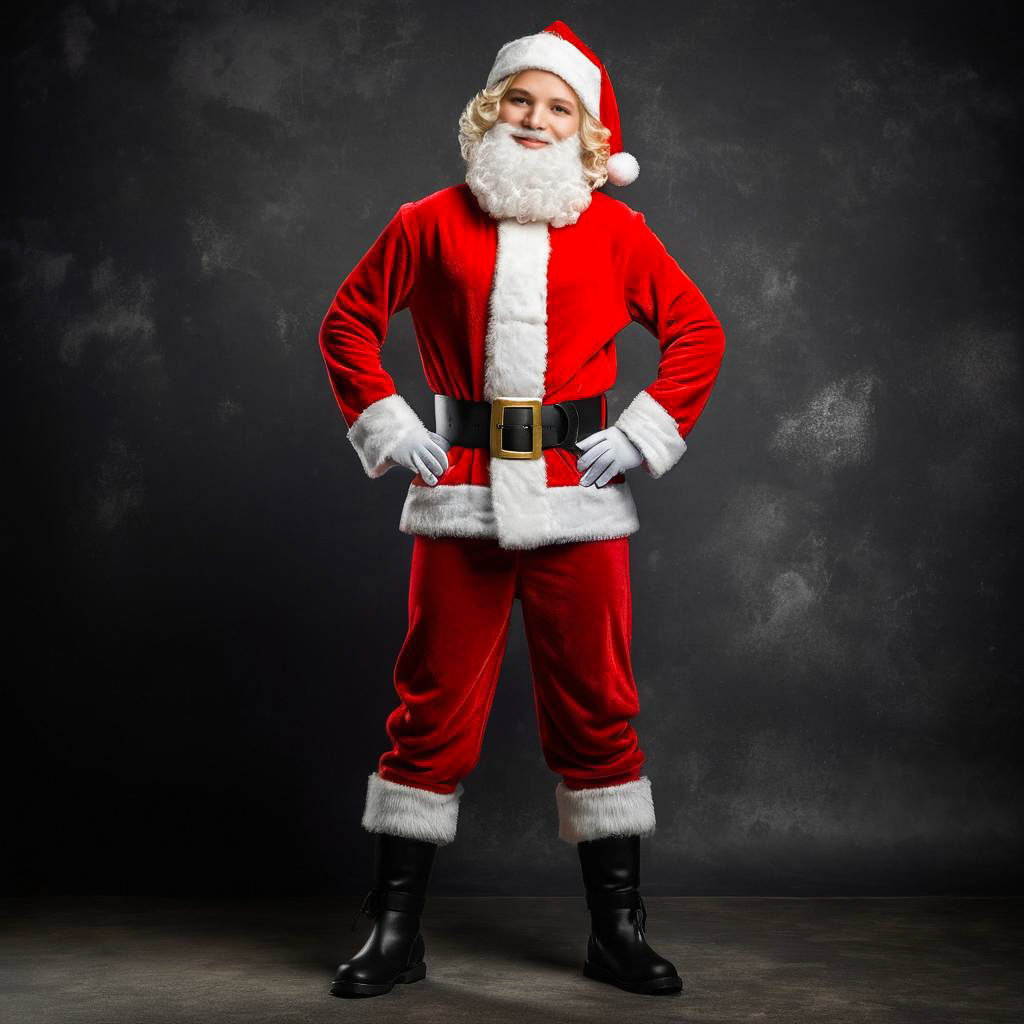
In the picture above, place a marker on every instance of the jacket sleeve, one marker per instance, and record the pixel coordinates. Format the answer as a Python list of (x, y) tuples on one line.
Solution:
[(351, 336), (667, 303)]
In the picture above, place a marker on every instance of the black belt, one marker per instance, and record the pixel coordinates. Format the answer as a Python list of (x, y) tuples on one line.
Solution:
[(506, 425)]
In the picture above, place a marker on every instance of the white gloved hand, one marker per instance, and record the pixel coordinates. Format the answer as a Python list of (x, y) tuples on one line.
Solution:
[(424, 452), (607, 453)]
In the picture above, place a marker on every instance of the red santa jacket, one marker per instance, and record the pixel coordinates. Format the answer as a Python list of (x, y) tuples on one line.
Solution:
[(501, 308)]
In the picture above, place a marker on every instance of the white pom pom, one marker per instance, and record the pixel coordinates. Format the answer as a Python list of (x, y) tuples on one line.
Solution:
[(622, 168)]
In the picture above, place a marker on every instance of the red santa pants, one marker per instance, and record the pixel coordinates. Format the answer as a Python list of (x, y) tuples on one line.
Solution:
[(577, 614)]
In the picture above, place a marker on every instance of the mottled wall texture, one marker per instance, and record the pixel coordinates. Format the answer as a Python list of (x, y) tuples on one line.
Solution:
[(207, 594)]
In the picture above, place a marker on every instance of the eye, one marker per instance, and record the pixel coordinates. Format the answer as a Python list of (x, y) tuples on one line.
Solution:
[(562, 109)]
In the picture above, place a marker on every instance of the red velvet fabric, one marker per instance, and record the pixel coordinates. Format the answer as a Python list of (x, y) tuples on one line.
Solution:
[(577, 614), (436, 257)]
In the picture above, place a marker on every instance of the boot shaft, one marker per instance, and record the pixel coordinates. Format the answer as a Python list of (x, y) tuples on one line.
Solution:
[(611, 864), (401, 864)]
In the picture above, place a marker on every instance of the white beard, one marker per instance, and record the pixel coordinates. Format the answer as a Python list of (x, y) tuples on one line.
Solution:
[(511, 180)]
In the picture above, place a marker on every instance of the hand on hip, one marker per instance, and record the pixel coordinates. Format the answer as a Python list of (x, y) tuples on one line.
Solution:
[(424, 452), (607, 453)]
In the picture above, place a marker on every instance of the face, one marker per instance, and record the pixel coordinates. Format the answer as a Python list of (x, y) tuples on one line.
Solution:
[(543, 106)]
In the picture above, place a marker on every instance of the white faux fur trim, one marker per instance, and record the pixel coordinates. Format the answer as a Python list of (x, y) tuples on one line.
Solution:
[(517, 343), (410, 811), (573, 513), (648, 424), (518, 488), (585, 814), (449, 510), (515, 365), (378, 428), (549, 52)]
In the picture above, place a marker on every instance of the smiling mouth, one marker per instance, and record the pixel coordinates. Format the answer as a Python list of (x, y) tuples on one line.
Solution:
[(525, 140)]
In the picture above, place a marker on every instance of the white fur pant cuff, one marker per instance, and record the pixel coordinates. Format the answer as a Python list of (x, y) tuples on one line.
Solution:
[(410, 811), (625, 810)]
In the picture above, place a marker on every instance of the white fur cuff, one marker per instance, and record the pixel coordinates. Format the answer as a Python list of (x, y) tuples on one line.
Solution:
[(584, 814), (410, 811), (379, 427), (648, 424)]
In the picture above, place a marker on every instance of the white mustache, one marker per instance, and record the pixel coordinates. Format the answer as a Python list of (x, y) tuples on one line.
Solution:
[(539, 136), (509, 130)]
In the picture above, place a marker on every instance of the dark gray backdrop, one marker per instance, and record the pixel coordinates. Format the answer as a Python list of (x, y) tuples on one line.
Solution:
[(206, 594)]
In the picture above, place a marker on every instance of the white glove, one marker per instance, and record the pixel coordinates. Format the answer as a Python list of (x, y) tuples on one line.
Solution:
[(424, 452), (607, 453)]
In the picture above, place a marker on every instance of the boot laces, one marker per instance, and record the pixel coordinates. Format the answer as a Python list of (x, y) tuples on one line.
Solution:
[(369, 907), (642, 921), (636, 905)]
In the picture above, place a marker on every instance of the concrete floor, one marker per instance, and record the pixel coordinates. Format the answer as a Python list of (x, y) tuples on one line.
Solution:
[(931, 960)]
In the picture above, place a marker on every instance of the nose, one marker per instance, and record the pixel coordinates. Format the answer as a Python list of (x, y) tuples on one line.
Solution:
[(533, 119)]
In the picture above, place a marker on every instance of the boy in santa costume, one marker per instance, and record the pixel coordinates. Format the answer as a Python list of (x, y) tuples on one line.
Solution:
[(517, 282)]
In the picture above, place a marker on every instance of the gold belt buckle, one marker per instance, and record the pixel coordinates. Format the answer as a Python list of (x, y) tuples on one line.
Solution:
[(498, 407)]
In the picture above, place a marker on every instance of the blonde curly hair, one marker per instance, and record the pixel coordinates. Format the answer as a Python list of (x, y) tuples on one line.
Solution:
[(482, 111)]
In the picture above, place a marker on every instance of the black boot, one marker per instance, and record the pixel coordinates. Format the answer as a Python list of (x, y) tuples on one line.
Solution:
[(617, 950), (393, 953)]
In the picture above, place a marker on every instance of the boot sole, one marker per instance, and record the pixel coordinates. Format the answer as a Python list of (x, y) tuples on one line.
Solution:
[(362, 988), (656, 986)]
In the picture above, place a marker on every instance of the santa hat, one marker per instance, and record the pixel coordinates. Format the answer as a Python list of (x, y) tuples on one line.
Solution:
[(558, 50)]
